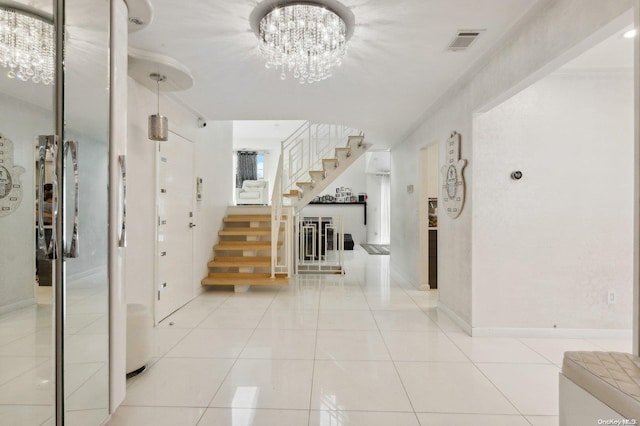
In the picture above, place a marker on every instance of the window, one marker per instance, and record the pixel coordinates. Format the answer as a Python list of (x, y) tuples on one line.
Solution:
[(260, 166)]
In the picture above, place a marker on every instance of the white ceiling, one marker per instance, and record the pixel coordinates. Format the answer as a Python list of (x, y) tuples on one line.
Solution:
[(396, 67), (397, 64), (615, 53)]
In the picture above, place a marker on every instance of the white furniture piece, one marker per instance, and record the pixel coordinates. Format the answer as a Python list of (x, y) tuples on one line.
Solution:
[(599, 388), (139, 328), (253, 192)]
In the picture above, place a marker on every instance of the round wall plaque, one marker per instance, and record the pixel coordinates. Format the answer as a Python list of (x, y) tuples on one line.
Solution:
[(10, 184), (452, 178)]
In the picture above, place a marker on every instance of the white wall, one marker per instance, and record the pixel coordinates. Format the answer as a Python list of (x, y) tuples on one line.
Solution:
[(271, 159), (353, 216), (373, 208), (433, 173), (213, 146), (21, 123), (548, 36), (213, 150), (554, 243), (356, 179)]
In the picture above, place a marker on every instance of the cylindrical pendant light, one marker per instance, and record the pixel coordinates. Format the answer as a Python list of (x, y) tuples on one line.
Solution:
[(158, 124)]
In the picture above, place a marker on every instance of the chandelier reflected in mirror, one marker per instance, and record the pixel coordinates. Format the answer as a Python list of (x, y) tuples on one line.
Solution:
[(27, 45), (303, 40)]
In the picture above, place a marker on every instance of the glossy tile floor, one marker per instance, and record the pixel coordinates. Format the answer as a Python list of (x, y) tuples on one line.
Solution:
[(27, 378), (360, 349)]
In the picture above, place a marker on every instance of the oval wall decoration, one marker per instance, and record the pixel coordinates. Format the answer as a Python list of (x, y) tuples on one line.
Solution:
[(452, 177), (10, 184)]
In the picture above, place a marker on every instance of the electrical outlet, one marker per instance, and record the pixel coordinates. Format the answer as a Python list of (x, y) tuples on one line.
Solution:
[(611, 298)]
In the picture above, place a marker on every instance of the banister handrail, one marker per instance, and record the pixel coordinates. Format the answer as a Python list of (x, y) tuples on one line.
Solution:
[(305, 149), (276, 215), (300, 153), (293, 135)]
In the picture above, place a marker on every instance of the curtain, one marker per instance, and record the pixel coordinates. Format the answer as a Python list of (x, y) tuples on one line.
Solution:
[(385, 209), (247, 167)]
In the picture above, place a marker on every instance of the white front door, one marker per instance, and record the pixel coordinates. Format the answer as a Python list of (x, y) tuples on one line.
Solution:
[(175, 215)]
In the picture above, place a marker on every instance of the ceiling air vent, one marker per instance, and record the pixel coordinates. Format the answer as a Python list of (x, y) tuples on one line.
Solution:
[(463, 39)]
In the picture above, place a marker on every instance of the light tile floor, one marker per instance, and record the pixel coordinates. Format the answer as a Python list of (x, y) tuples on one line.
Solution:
[(359, 349), (27, 379)]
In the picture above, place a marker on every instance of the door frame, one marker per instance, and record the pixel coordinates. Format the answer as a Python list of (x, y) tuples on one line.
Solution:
[(423, 208)]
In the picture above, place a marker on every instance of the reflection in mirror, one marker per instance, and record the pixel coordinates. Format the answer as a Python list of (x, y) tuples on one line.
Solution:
[(86, 104), (28, 195), (26, 315)]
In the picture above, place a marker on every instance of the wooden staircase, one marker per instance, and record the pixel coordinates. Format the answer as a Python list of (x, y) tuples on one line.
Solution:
[(242, 256), (331, 169)]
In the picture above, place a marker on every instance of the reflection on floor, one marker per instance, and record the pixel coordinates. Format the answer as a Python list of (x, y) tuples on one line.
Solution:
[(361, 349), (27, 364)]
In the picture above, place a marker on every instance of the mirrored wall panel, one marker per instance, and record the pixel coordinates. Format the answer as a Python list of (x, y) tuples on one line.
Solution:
[(32, 190), (27, 387), (86, 112)]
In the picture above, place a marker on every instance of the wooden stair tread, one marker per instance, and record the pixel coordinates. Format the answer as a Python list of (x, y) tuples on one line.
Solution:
[(243, 245), (304, 184), (240, 262), (228, 278), (358, 139), (244, 231), (330, 162), (343, 153), (248, 218)]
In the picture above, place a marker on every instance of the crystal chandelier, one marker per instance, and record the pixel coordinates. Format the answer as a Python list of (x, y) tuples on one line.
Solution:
[(27, 45), (305, 40)]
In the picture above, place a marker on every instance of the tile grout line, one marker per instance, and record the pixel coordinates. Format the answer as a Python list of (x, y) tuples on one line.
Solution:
[(395, 367), (235, 361), (472, 362), (481, 372), (313, 367), (519, 339)]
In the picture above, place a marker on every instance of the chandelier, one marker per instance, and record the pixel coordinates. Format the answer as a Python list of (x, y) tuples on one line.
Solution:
[(27, 45), (304, 40)]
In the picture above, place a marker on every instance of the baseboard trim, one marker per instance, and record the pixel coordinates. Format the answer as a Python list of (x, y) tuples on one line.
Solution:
[(398, 275), (17, 305), (570, 333), (465, 326)]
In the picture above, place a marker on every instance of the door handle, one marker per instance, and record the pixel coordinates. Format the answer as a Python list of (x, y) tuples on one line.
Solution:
[(192, 225), (72, 147), (45, 143), (122, 161)]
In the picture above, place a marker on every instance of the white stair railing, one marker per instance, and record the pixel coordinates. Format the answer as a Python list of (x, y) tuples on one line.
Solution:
[(281, 218), (305, 149), (320, 244), (302, 152)]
